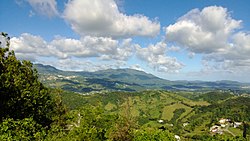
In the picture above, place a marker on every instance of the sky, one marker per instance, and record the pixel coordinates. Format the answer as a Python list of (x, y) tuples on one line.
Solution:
[(205, 40)]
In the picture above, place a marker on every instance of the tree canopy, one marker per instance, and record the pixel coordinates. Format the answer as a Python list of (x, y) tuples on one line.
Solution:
[(21, 94)]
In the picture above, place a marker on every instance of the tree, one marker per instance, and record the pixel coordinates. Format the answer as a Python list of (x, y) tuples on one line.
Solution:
[(89, 123), (152, 135), (25, 129), (21, 94)]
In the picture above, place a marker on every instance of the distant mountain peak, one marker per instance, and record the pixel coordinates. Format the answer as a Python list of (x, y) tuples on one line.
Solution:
[(137, 80), (46, 68)]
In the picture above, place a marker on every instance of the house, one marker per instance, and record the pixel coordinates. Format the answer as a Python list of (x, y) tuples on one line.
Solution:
[(160, 121), (215, 129), (185, 124), (222, 121), (223, 125), (178, 138), (237, 124)]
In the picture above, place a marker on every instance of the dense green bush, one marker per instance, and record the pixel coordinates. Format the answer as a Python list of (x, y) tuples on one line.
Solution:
[(27, 107), (26, 129), (152, 135), (21, 94)]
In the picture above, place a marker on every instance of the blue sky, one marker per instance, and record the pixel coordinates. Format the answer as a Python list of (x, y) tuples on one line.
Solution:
[(172, 39)]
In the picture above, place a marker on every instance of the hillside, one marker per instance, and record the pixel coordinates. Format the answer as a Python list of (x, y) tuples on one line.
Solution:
[(127, 80), (192, 119)]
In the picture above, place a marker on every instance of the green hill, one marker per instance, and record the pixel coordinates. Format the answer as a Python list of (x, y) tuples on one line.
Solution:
[(127, 80), (214, 97), (148, 107)]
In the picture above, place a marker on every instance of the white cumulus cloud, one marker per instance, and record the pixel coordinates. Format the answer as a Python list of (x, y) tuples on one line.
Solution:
[(204, 31), (213, 33), (106, 53), (32, 47), (103, 18), (236, 58), (136, 67), (155, 56), (83, 65)]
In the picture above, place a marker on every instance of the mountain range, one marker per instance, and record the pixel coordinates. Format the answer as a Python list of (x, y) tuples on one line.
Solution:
[(126, 80)]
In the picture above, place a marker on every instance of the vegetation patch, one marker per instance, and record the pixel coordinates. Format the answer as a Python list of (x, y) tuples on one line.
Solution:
[(168, 111), (110, 106)]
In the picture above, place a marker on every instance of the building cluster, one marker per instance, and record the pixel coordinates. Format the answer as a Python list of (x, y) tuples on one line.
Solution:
[(223, 125)]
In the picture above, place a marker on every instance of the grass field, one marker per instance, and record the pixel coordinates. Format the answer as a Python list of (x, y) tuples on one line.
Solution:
[(168, 111), (236, 131)]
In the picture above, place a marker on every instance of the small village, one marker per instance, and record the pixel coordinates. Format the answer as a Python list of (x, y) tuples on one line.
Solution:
[(223, 126)]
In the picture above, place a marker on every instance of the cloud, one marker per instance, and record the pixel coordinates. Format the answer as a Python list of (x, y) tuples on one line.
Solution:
[(106, 52), (155, 56), (100, 47), (136, 67), (32, 47), (236, 58), (205, 31), (214, 34), (103, 18), (44, 7), (83, 65)]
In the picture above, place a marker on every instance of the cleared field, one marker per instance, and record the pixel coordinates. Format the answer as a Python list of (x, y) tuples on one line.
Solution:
[(236, 131), (200, 103), (166, 98), (168, 111), (157, 105)]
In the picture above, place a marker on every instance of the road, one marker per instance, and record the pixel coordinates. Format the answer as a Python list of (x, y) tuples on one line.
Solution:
[(226, 130)]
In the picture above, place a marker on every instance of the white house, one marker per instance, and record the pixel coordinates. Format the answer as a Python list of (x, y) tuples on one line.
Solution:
[(160, 121), (185, 124), (237, 124), (222, 121), (178, 138), (223, 125)]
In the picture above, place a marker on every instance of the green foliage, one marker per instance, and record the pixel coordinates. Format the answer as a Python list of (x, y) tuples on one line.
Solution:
[(122, 130), (26, 129), (21, 94), (216, 138), (152, 135), (177, 114), (73, 100), (89, 123), (147, 107), (237, 109), (215, 96)]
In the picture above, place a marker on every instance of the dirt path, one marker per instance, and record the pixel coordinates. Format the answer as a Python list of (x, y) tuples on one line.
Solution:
[(226, 130)]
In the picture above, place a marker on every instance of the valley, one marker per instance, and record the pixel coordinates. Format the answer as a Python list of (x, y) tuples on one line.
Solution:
[(190, 110), (190, 119)]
